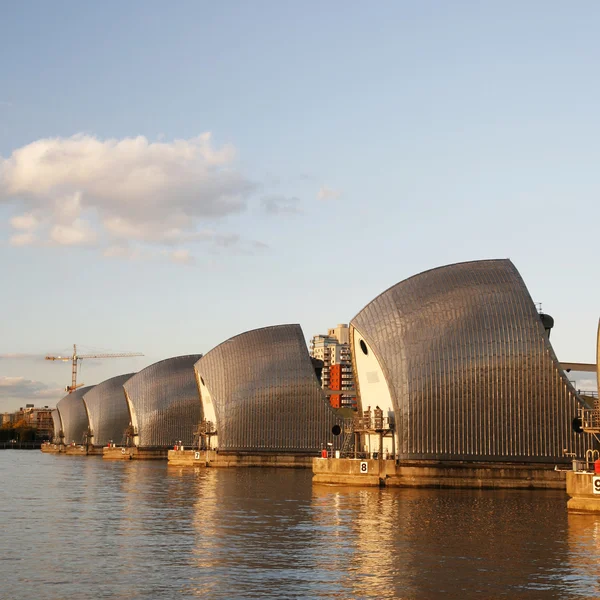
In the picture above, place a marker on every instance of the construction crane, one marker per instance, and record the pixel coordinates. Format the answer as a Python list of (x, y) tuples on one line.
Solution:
[(73, 359)]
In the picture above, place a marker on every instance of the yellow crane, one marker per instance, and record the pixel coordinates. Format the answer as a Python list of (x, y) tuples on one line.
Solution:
[(75, 357)]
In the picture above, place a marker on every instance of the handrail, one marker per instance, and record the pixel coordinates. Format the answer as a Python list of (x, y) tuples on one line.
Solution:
[(590, 419)]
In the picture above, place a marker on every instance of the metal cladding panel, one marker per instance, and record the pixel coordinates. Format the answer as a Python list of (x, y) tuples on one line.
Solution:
[(471, 372), (165, 399), (107, 410), (266, 394), (57, 424), (74, 416)]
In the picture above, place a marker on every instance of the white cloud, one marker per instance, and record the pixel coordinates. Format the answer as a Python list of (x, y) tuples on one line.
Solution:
[(23, 239), (280, 205), (121, 193), (27, 222), (78, 233), (122, 251), (587, 384), (6, 382), (21, 389), (181, 256), (327, 193)]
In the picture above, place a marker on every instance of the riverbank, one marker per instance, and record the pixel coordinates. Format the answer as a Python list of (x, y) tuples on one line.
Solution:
[(16, 445)]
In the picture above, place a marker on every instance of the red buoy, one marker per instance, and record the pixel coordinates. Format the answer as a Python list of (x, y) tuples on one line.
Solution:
[(597, 466)]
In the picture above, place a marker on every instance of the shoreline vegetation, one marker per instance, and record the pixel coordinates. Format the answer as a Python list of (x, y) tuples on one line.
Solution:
[(20, 432)]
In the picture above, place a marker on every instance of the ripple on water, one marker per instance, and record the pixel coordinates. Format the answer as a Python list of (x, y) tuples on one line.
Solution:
[(76, 526)]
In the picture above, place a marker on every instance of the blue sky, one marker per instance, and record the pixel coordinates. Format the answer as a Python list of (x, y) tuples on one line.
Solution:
[(350, 146)]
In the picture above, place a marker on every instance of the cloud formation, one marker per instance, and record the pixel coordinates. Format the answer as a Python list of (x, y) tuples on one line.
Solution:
[(22, 390), (327, 193), (587, 384), (277, 204), (122, 193), (181, 256), (19, 355)]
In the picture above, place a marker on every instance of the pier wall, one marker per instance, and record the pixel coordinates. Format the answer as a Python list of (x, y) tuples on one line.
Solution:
[(72, 450), (212, 459), (386, 473), (580, 486), (134, 453), (52, 448), (82, 451)]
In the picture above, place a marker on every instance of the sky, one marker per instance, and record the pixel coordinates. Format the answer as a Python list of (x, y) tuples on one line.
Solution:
[(172, 174)]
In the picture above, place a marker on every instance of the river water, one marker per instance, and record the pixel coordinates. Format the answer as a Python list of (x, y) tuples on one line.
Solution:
[(81, 527)]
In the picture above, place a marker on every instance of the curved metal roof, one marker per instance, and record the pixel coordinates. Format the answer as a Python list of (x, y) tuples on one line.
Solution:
[(74, 416), (470, 370), (107, 410), (164, 404), (57, 425), (266, 394)]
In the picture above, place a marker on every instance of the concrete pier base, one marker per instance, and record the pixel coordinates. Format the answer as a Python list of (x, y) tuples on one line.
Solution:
[(52, 448), (212, 459), (77, 450), (82, 450), (580, 486), (386, 473), (134, 453), (95, 450)]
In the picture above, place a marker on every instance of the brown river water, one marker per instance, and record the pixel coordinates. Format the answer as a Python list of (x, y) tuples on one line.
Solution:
[(77, 528)]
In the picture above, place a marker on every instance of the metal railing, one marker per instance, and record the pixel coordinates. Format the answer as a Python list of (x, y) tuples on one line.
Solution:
[(360, 455), (590, 419), (369, 423), (586, 465)]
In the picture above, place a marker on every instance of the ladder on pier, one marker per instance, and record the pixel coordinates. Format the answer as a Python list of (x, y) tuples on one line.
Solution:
[(348, 445)]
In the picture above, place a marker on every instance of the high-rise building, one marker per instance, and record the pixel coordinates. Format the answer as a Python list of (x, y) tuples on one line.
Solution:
[(337, 376)]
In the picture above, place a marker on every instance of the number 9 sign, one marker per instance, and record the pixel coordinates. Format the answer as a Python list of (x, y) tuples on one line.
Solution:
[(596, 485)]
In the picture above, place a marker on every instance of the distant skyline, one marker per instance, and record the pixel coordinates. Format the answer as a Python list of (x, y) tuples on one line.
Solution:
[(173, 175)]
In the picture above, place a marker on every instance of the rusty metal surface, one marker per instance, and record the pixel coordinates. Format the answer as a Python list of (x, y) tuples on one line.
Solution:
[(74, 416), (107, 410), (164, 403), (266, 394), (471, 372)]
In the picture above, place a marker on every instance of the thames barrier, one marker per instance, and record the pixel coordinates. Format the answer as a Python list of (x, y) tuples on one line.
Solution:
[(456, 384)]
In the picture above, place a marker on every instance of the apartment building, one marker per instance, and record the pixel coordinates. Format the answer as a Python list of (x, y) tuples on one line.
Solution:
[(337, 377)]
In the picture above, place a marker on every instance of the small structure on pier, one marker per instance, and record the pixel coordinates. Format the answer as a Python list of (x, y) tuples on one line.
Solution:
[(373, 434)]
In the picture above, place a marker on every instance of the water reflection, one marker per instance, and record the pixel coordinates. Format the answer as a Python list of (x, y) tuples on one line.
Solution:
[(453, 543), (257, 536), (584, 554), (74, 527)]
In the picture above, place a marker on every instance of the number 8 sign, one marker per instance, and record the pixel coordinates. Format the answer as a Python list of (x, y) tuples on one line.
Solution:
[(364, 468), (596, 485)]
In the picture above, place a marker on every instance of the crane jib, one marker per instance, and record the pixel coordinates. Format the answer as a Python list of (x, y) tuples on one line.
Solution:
[(75, 357)]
